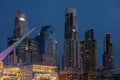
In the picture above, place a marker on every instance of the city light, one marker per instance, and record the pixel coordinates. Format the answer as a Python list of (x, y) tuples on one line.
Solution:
[(37, 59), (22, 19)]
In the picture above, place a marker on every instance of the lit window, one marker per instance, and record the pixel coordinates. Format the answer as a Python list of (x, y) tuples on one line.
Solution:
[(86, 50)]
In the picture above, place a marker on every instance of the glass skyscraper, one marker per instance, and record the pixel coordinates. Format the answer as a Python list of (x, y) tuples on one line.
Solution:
[(47, 45), (22, 54), (21, 26)]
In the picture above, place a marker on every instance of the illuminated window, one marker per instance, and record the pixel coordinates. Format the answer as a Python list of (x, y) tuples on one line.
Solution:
[(86, 50)]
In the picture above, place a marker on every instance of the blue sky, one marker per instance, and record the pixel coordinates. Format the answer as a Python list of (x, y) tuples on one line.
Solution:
[(101, 15)]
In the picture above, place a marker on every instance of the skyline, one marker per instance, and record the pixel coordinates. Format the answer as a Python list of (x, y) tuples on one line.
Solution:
[(99, 18)]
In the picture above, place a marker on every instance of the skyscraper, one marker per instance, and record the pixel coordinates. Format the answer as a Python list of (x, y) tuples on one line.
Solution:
[(72, 59), (12, 57), (21, 26), (47, 46), (71, 42), (20, 29), (89, 54), (108, 56), (23, 52), (88, 50)]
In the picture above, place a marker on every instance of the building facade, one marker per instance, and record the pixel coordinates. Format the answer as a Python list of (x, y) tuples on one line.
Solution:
[(28, 72), (22, 54), (21, 26), (72, 60), (89, 54), (71, 42), (108, 58), (47, 46)]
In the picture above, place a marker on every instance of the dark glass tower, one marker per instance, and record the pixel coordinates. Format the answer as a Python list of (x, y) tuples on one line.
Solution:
[(47, 45), (46, 40), (12, 57), (71, 42), (88, 51), (21, 26), (108, 59), (23, 52)]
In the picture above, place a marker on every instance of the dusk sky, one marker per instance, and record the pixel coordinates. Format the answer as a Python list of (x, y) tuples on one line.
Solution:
[(101, 15)]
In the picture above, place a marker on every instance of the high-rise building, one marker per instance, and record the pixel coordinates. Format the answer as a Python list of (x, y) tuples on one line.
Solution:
[(71, 42), (21, 26), (72, 58), (29, 52), (89, 54), (47, 46), (12, 57), (108, 56), (23, 52)]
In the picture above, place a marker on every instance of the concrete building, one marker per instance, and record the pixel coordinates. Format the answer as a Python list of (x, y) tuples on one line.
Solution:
[(89, 54), (108, 58), (72, 63), (72, 56)]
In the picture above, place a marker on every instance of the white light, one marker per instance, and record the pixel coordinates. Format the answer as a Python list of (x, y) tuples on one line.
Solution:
[(73, 30), (22, 19)]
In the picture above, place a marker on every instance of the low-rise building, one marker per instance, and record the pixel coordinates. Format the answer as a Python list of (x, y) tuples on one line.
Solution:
[(28, 72)]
